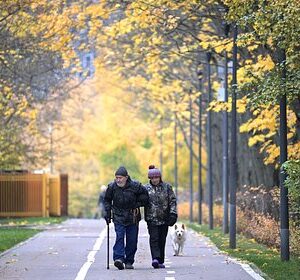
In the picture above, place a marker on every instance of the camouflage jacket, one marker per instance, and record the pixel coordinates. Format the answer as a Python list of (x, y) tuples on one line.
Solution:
[(162, 202)]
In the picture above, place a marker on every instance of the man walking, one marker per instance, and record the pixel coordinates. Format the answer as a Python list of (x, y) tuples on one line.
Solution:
[(101, 201), (123, 198)]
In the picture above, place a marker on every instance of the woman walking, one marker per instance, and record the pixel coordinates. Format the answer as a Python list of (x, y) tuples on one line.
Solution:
[(160, 213)]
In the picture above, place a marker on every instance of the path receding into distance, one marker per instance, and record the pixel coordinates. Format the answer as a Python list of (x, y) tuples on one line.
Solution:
[(76, 250)]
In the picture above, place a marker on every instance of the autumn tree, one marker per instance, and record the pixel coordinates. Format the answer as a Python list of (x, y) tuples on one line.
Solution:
[(159, 44), (38, 55)]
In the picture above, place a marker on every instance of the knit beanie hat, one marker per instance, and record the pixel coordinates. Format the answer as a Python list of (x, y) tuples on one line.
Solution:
[(121, 171), (153, 172)]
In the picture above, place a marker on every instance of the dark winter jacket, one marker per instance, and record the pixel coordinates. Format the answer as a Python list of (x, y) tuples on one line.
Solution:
[(162, 204), (122, 201)]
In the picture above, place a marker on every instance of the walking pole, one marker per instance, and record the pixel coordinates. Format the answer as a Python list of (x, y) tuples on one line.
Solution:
[(107, 261)]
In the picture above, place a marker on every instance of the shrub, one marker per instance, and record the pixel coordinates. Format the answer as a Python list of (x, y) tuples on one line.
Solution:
[(184, 212), (262, 228), (292, 182), (257, 216)]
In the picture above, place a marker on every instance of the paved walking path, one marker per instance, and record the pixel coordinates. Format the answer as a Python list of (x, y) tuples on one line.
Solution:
[(76, 250)]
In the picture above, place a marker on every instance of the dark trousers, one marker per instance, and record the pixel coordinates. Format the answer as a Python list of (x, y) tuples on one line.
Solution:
[(157, 240), (122, 251)]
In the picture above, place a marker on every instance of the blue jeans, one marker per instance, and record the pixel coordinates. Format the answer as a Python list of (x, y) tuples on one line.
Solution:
[(122, 251)]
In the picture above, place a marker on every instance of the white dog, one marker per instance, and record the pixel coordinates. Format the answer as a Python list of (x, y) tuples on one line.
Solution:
[(178, 237)]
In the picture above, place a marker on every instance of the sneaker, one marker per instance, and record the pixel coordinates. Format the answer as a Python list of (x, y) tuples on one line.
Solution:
[(128, 266), (155, 263), (119, 264), (161, 265)]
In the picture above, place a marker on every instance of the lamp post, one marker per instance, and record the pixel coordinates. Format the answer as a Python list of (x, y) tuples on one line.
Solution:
[(50, 129), (199, 74), (191, 156), (209, 145), (161, 145), (225, 143), (284, 208), (175, 156), (233, 165)]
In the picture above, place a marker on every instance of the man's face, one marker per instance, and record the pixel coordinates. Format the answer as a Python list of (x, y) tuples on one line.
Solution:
[(121, 180), (155, 180)]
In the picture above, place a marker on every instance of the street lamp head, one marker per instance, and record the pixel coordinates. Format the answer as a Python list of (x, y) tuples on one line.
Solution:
[(200, 74), (226, 29), (225, 26), (50, 128), (208, 56)]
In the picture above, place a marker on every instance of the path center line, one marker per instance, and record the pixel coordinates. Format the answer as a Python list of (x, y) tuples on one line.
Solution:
[(91, 256)]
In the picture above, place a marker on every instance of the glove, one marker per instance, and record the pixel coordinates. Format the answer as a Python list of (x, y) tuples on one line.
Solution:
[(172, 219), (107, 219)]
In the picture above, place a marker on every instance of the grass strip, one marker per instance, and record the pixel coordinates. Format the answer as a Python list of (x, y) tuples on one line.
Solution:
[(11, 236), (31, 221), (266, 259), (14, 231)]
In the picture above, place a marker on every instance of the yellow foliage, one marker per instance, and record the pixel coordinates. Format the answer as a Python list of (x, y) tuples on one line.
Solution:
[(242, 74), (241, 105), (264, 126), (252, 47), (273, 153), (263, 64), (255, 139), (294, 150), (218, 106), (141, 24)]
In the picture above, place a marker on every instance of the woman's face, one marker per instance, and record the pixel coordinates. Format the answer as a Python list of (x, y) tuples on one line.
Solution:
[(155, 180)]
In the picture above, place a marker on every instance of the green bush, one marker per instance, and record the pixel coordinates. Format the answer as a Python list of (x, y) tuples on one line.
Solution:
[(292, 182)]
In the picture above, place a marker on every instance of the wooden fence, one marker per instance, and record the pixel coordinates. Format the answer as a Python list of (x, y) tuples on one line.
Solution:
[(64, 194), (32, 195)]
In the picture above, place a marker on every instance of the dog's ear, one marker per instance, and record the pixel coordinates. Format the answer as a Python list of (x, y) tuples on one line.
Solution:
[(175, 227), (183, 226)]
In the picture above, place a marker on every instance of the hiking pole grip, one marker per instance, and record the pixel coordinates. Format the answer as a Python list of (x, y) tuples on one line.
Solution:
[(107, 260)]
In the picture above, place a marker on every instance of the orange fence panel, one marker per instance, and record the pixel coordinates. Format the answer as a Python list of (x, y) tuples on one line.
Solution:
[(54, 188), (29, 195), (64, 194), (24, 195)]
